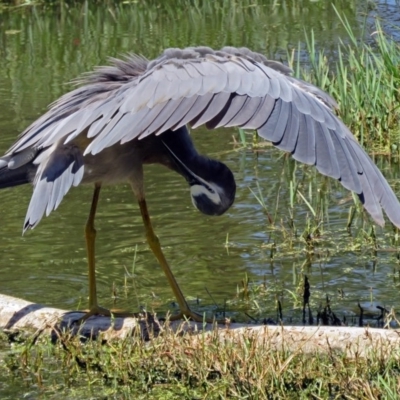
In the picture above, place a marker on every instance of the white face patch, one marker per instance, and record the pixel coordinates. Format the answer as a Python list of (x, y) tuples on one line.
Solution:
[(197, 190), (211, 190)]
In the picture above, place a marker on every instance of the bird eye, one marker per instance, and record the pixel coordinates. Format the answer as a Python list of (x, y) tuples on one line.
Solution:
[(210, 189)]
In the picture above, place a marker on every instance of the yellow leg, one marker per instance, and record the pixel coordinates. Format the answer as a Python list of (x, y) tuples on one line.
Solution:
[(154, 244), (90, 235)]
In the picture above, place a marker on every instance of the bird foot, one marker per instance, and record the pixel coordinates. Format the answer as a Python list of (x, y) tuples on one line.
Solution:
[(183, 315), (191, 315), (101, 311)]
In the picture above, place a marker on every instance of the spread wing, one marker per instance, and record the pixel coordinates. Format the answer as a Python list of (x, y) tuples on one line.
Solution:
[(225, 88)]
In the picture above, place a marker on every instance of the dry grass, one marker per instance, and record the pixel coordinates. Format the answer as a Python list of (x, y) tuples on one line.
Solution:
[(176, 366)]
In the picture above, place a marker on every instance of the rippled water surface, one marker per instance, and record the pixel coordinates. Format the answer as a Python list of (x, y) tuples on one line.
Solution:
[(42, 50)]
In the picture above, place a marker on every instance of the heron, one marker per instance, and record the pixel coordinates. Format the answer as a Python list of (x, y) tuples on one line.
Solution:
[(137, 111)]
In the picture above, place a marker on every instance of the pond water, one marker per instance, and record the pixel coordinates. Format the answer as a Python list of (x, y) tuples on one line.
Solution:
[(41, 50)]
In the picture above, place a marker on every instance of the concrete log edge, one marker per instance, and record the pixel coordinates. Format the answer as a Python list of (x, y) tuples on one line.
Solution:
[(20, 315)]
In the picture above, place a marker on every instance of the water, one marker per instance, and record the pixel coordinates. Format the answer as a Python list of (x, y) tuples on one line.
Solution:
[(41, 50)]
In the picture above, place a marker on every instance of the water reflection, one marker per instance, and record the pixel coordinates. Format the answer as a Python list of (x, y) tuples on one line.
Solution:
[(39, 51)]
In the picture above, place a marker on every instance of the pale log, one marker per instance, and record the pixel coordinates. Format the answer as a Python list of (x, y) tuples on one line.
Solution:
[(21, 315)]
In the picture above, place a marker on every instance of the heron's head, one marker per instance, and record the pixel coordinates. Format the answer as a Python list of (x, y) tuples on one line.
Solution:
[(212, 185), (214, 192)]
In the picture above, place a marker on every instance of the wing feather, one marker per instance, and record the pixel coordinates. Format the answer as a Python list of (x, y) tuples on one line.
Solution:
[(250, 107), (215, 106), (262, 114), (236, 105), (275, 126), (230, 87), (184, 107), (291, 133), (326, 161)]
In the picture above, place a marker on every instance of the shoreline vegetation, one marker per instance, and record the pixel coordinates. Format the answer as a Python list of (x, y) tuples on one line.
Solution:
[(135, 358), (365, 80)]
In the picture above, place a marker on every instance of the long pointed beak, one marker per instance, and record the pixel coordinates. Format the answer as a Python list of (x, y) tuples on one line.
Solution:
[(189, 175)]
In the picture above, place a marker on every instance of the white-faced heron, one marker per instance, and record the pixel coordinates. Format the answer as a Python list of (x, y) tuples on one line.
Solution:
[(136, 112)]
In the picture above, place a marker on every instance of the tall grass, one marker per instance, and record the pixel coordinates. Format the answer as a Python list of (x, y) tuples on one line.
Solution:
[(363, 76), (176, 366), (365, 81)]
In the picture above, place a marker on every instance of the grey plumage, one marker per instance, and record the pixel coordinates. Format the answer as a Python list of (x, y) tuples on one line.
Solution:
[(136, 100)]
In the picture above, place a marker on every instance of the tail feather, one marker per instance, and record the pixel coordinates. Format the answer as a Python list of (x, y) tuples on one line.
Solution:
[(18, 176)]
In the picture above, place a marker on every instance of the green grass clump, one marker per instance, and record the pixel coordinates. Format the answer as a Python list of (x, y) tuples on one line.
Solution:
[(365, 82), (181, 366)]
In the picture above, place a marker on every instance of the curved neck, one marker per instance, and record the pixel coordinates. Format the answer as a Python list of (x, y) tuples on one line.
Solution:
[(212, 183), (183, 156)]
